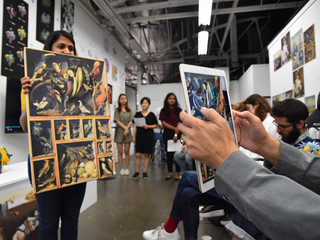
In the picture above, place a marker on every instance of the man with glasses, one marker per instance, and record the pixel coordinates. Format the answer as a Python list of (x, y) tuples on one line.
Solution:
[(290, 116)]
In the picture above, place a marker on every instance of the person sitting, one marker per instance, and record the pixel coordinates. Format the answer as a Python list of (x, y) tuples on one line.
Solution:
[(183, 159), (313, 122), (289, 118), (248, 185)]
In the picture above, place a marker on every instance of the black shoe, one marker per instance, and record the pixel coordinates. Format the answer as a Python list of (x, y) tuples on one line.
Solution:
[(145, 176), (227, 218), (135, 176), (211, 211)]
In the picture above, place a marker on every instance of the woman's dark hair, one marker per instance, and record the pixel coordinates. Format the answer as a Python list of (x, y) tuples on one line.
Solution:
[(263, 106), (166, 106), (145, 98), (54, 36), (119, 104)]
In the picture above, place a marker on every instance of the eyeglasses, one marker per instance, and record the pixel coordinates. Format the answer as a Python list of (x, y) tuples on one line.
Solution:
[(281, 127)]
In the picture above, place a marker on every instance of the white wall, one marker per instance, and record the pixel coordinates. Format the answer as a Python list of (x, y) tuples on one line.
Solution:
[(282, 79), (255, 80)]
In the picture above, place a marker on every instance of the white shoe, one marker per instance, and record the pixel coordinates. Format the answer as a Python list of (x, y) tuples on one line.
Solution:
[(122, 172), (160, 234), (126, 172)]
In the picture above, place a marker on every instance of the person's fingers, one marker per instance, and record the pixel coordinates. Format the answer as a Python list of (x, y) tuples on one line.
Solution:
[(184, 129), (188, 119), (213, 116)]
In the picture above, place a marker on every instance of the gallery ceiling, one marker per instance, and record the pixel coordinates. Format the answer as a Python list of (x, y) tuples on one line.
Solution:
[(158, 35)]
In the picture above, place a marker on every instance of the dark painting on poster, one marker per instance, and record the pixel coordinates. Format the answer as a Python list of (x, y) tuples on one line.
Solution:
[(67, 15), (309, 44), (14, 38), (69, 120), (45, 19)]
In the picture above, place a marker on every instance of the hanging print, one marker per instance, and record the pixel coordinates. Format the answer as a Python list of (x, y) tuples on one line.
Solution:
[(45, 18), (309, 44), (14, 38)]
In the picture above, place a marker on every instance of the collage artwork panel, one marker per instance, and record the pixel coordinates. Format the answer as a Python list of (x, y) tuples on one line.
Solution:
[(69, 120)]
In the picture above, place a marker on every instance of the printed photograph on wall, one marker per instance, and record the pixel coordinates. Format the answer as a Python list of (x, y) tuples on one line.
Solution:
[(277, 61), (297, 50), (45, 19), (282, 96), (68, 115), (310, 103), (285, 49), (114, 73), (14, 38), (298, 83), (67, 15), (309, 44)]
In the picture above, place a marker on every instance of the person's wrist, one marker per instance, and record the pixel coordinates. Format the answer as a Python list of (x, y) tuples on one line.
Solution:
[(270, 143), (176, 135)]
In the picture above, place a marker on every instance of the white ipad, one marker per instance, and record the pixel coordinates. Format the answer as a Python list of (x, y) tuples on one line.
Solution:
[(206, 87)]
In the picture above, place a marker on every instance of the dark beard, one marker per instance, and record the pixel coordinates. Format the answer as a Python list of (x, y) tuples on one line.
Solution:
[(292, 137)]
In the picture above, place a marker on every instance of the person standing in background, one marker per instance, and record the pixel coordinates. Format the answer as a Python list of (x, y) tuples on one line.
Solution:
[(143, 137), (158, 136), (123, 136), (170, 119)]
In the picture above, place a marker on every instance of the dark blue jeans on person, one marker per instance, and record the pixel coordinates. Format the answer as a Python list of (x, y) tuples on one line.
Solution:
[(158, 136), (64, 203), (187, 200)]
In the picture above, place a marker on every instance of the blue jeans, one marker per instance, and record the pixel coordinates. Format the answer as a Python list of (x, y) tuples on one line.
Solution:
[(158, 136), (64, 203), (187, 200), (184, 161)]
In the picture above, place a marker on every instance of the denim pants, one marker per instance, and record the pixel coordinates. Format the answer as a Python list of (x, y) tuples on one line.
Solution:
[(158, 136), (187, 200), (64, 203), (184, 160)]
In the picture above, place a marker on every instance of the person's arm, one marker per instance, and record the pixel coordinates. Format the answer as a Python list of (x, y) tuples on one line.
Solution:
[(23, 120), (134, 133), (300, 166), (278, 206)]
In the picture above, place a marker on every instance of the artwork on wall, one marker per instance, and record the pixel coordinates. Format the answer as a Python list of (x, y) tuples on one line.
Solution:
[(67, 15), (309, 44), (68, 120), (285, 49), (297, 50), (14, 38), (298, 83), (45, 19), (282, 96), (277, 61), (114, 73), (310, 103)]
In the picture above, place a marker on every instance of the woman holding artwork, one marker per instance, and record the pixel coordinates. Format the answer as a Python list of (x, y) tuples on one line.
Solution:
[(61, 204), (143, 136), (170, 119), (123, 136)]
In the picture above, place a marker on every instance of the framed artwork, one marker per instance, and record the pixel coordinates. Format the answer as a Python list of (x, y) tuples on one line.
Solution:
[(285, 49), (68, 119), (282, 96), (297, 50), (309, 44), (298, 83), (277, 61), (14, 38), (45, 19), (67, 15), (310, 103)]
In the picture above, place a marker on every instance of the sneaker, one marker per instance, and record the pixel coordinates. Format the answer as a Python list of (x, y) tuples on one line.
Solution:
[(160, 234), (226, 219), (135, 176), (211, 211), (122, 172), (145, 176), (126, 172)]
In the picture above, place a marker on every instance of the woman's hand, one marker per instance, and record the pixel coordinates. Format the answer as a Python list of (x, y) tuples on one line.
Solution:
[(126, 132), (134, 139), (176, 130), (25, 84), (175, 138), (146, 126)]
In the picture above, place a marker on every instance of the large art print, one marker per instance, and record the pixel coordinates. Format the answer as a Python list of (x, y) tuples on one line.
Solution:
[(309, 44), (45, 19), (297, 50), (14, 38), (69, 122)]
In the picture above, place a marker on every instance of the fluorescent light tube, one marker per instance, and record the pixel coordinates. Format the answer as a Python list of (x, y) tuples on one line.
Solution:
[(203, 37), (205, 9)]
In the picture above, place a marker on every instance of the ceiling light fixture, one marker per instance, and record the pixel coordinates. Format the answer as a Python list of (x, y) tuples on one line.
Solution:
[(205, 9), (203, 37)]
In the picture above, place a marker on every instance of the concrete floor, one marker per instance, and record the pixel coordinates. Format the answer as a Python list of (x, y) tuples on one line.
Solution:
[(125, 207)]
